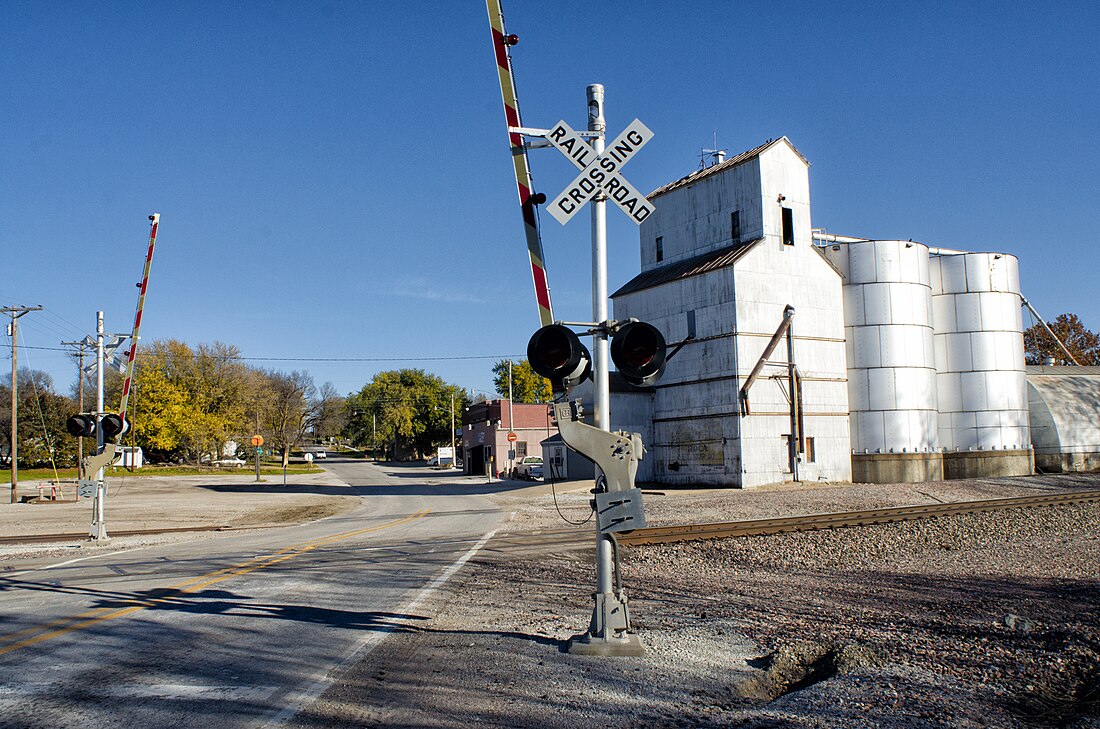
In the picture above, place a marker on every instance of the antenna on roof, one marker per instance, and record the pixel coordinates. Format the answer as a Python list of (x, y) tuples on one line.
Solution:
[(715, 155)]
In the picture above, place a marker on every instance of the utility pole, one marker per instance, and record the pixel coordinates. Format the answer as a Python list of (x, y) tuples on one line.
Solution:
[(13, 329), (80, 347), (511, 425), (454, 454), (374, 437)]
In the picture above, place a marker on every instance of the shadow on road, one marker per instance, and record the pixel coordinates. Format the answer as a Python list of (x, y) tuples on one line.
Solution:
[(224, 602), (421, 481)]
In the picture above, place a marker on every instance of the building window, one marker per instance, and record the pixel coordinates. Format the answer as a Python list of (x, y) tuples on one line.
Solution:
[(788, 227), (735, 226), (521, 449), (660, 249), (810, 454)]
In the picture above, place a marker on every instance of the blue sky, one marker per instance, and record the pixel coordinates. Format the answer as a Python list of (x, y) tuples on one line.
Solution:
[(334, 182)]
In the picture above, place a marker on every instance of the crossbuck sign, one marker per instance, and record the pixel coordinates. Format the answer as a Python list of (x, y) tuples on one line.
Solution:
[(600, 173)]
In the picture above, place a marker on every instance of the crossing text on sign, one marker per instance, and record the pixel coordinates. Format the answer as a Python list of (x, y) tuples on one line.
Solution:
[(600, 173)]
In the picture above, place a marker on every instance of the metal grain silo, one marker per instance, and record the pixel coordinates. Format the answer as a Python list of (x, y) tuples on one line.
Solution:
[(981, 378), (891, 360)]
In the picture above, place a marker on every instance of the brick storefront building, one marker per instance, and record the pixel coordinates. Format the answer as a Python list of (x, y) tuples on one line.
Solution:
[(485, 428)]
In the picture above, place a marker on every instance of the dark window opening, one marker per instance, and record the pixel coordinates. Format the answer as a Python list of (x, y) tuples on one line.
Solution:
[(810, 454), (788, 227), (735, 226), (660, 249)]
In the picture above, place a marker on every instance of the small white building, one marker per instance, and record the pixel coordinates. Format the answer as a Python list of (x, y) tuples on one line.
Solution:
[(727, 251)]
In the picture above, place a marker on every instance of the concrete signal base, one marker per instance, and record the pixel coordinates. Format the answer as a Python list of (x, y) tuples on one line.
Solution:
[(588, 645), (609, 633)]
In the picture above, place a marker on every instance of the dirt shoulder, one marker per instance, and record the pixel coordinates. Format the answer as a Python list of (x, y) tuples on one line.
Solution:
[(166, 503)]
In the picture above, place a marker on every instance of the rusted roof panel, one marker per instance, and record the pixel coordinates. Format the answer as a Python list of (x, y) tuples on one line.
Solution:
[(725, 165), (687, 268)]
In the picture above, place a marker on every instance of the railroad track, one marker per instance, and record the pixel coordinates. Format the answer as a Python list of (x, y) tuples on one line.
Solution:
[(815, 522), (569, 540), (83, 536)]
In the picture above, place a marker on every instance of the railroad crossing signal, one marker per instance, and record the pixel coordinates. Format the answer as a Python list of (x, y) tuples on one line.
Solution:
[(85, 425), (637, 349), (111, 356), (600, 173)]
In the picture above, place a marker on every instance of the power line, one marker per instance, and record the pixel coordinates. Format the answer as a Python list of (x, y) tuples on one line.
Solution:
[(375, 359), (341, 359)]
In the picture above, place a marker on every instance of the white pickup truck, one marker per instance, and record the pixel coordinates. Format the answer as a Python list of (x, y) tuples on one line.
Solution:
[(530, 468)]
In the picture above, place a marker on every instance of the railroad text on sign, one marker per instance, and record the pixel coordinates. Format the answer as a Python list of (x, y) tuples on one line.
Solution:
[(600, 173)]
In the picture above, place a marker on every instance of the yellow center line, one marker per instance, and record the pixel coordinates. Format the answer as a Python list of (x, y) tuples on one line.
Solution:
[(96, 615)]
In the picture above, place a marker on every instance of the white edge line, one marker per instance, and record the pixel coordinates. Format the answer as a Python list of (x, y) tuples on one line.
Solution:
[(371, 641), (68, 562)]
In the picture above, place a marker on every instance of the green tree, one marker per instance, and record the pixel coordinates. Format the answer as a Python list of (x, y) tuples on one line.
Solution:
[(42, 415), (409, 409), (184, 402), (1083, 344), (527, 385)]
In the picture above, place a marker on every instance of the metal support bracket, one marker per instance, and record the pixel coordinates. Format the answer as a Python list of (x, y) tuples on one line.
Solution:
[(110, 454), (620, 511), (617, 454)]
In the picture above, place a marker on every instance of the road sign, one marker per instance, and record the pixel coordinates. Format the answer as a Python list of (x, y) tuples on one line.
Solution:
[(512, 437), (86, 488), (600, 173), (257, 440)]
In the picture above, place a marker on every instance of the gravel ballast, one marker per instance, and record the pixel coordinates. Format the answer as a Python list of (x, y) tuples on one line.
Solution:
[(989, 619)]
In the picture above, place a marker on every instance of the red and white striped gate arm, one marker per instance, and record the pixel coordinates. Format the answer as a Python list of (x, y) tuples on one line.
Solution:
[(155, 218), (519, 159)]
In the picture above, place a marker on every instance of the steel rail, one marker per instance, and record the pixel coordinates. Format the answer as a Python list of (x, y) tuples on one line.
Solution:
[(815, 522), (83, 536)]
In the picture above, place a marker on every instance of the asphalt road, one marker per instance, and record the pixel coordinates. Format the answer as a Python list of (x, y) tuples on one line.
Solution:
[(230, 631)]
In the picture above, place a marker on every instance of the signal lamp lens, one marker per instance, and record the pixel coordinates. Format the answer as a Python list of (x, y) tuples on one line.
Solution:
[(557, 354), (638, 350)]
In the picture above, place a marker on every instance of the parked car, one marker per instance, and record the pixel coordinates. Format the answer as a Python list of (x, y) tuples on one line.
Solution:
[(229, 463), (530, 468), (433, 461)]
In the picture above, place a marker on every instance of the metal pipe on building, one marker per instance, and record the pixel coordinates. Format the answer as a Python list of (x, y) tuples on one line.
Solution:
[(830, 238), (1047, 327), (788, 317), (822, 236), (795, 440)]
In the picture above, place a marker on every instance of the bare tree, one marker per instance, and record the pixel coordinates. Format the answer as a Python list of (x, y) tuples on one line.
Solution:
[(290, 409)]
